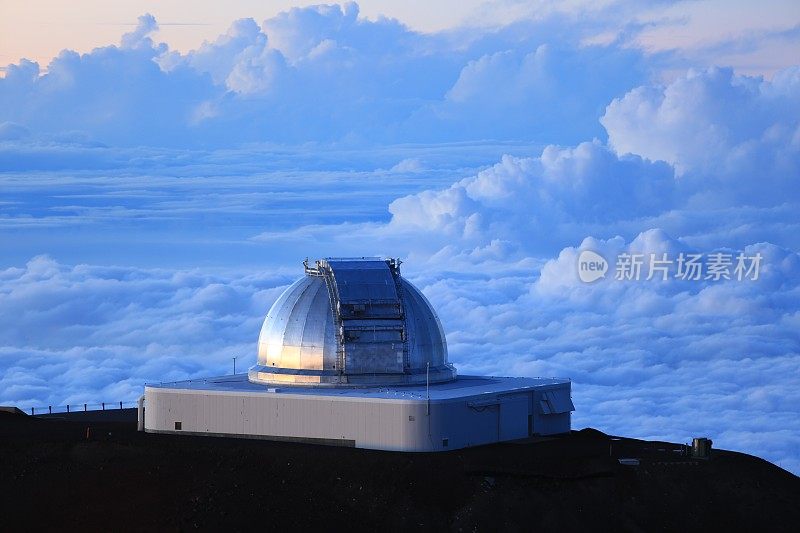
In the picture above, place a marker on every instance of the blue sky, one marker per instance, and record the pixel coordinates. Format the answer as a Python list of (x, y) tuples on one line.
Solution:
[(157, 194)]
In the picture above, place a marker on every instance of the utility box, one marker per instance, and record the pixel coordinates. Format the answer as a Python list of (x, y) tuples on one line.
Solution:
[(701, 448)]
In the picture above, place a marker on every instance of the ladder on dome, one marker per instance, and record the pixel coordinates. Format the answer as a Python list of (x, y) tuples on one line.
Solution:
[(394, 267), (368, 315)]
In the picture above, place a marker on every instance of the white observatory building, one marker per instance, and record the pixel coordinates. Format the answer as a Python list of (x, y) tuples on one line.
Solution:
[(353, 354)]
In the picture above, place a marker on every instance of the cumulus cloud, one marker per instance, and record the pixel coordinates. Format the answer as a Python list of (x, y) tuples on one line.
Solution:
[(323, 73), (303, 32), (539, 201), (547, 93), (241, 60), (735, 134), (140, 37), (116, 94)]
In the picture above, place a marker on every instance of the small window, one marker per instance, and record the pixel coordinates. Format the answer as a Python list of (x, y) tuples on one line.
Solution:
[(411, 418), (445, 443), (177, 425)]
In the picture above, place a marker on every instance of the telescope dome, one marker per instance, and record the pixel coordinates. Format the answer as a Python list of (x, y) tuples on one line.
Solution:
[(352, 322)]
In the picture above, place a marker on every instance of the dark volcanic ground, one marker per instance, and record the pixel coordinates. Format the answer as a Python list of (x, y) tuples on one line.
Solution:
[(52, 477)]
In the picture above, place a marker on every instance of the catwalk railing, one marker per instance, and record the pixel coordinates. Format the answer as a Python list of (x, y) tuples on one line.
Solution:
[(82, 407)]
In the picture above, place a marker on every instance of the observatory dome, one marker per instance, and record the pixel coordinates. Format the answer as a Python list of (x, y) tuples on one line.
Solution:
[(352, 322)]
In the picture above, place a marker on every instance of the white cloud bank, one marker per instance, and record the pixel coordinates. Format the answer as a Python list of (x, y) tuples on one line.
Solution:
[(739, 133)]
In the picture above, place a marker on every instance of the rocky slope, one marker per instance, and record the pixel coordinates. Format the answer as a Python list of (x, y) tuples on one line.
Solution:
[(53, 477)]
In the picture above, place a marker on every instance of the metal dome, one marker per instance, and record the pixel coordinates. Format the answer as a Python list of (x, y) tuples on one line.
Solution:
[(352, 322)]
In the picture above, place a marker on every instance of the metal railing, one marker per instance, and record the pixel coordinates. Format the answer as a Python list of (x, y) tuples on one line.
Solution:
[(79, 407)]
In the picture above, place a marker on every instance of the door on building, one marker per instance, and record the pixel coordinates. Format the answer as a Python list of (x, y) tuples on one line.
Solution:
[(514, 417)]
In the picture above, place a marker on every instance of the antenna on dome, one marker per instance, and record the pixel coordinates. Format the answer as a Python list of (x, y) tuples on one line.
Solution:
[(312, 271), (428, 385), (394, 264)]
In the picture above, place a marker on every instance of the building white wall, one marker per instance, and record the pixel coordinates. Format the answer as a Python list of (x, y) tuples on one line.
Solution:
[(374, 423)]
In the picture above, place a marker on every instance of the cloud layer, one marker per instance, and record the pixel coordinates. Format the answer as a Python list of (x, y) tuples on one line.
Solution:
[(658, 359), (92, 334)]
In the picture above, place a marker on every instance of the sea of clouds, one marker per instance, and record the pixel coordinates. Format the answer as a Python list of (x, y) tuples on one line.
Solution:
[(154, 204)]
